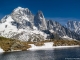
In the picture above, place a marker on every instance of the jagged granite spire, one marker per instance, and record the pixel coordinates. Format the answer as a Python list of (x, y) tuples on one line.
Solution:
[(40, 14), (40, 21)]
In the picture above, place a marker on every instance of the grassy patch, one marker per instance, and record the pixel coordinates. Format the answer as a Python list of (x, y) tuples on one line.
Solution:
[(65, 42), (11, 44), (39, 43)]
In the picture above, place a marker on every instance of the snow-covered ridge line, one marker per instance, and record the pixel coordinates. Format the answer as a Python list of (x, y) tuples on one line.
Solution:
[(48, 46)]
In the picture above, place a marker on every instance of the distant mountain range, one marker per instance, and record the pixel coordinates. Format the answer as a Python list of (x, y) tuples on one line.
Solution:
[(21, 24)]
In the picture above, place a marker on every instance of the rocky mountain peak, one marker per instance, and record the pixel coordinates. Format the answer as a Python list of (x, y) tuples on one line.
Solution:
[(22, 10), (40, 15), (20, 14), (40, 21), (74, 26)]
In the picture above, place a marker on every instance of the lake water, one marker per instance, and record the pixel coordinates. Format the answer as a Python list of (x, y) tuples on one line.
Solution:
[(55, 54)]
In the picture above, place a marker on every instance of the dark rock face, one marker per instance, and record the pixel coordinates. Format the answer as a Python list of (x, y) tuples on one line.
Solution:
[(39, 21)]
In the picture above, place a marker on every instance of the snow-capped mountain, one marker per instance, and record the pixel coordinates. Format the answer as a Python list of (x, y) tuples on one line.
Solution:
[(21, 24), (62, 31), (74, 26)]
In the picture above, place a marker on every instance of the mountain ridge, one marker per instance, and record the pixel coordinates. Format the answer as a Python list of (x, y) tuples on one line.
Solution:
[(26, 26)]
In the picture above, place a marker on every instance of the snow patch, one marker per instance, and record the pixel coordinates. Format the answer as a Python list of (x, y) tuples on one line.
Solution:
[(1, 50), (47, 46), (39, 32), (19, 8), (67, 37), (51, 31)]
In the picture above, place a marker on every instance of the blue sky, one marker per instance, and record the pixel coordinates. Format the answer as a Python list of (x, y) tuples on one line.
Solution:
[(58, 10)]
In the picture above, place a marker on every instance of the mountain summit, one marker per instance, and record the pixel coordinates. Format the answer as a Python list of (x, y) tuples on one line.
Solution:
[(21, 24), (40, 21)]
